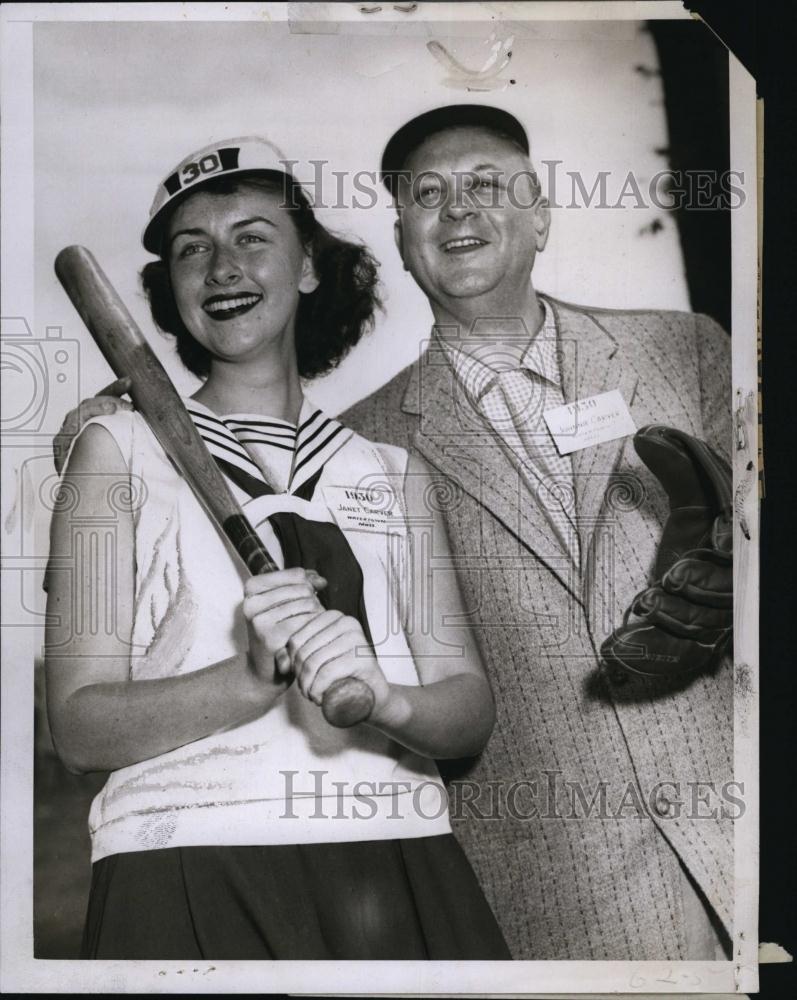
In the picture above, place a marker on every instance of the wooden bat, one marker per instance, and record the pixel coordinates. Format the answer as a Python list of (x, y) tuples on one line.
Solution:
[(347, 701)]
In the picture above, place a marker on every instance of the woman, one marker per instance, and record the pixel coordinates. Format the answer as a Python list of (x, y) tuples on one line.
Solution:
[(236, 823)]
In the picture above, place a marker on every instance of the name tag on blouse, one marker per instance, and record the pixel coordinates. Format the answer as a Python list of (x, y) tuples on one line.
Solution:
[(375, 509), (589, 421)]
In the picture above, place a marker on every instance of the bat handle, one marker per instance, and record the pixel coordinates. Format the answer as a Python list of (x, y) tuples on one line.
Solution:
[(248, 545), (346, 702)]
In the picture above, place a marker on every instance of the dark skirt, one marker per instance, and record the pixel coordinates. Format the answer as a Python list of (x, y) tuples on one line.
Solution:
[(384, 899)]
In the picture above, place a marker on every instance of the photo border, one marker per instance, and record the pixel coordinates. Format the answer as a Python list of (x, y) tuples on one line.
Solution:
[(20, 971)]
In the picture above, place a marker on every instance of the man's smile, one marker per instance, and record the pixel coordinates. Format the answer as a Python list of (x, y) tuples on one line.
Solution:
[(222, 307), (463, 244)]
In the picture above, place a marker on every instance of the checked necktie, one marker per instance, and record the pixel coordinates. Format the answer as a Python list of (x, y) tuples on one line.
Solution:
[(513, 402)]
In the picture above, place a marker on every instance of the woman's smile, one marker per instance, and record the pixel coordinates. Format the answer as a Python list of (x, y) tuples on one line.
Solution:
[(223, 307)]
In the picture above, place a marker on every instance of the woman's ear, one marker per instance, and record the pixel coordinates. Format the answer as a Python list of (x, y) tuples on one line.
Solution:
[(309, 280)]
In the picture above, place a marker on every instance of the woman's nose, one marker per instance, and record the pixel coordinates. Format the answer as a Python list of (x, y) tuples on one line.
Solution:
[(223, 268)]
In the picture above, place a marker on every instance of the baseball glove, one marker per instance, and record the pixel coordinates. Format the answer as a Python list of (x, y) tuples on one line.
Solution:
[(684, 622)]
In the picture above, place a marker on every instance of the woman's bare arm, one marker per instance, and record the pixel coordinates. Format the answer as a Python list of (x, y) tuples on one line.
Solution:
[(100, 719), (452, 714)]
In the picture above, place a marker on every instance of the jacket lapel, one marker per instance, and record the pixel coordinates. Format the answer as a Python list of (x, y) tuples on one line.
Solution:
[(453, 437), (592, 362)]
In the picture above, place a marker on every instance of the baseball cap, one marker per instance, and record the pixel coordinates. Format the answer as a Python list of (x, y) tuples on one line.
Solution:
[(245, 155), (413, 133)]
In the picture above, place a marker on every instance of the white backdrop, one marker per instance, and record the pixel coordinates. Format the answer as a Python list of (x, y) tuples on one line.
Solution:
[(117, 104)]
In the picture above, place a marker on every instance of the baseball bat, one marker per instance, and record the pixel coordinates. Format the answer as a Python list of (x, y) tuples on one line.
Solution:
[(349, 700)]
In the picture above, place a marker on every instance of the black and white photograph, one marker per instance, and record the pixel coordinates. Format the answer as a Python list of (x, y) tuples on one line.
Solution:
[(381, 475)]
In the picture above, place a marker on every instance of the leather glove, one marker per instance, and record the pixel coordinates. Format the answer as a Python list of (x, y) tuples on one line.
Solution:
[(684, 621)]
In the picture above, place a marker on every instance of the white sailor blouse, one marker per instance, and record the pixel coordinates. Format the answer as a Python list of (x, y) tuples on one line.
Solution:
[(287, 777)]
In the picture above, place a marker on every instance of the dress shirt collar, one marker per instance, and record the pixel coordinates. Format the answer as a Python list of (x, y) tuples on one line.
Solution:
[(476, 364)]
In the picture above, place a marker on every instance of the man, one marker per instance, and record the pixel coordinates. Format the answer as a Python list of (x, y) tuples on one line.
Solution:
[(592, 818), (550, 550)]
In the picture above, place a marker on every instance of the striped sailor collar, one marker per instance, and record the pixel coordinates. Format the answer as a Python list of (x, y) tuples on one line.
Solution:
[(476, 363), (311, 442)]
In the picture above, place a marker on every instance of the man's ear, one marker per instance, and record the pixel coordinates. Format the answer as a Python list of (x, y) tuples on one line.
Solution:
[(542, 223), (398, 236), (309, 280)]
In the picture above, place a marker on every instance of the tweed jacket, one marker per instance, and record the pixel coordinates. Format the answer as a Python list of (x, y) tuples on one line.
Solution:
[(595, 790)]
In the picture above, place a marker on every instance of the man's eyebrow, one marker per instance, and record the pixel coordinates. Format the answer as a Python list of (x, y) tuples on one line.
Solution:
[(235, 225), (488, 166)]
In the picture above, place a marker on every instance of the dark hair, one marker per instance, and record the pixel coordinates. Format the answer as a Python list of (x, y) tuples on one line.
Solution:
[(329, 320)]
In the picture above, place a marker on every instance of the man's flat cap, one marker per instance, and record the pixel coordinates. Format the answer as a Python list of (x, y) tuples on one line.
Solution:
[(413, 133)]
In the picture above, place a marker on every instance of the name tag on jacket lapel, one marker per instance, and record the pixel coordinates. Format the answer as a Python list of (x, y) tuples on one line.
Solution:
[(374, 509), (589, 421)]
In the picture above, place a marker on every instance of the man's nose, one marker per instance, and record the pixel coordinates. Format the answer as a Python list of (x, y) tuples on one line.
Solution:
[(223, 268), (458, 205)]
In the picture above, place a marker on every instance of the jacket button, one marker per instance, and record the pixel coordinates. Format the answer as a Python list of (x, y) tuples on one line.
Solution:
[(662, 805)]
